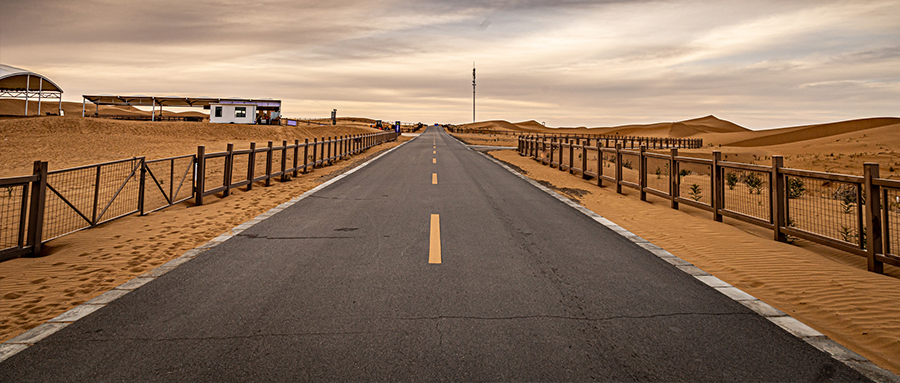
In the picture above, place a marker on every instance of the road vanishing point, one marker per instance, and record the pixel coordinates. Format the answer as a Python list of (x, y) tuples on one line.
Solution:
[(431, 263)]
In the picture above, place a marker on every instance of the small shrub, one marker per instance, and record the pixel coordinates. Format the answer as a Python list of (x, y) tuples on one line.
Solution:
[(731, 179), (658, 172), (848, 234), (626, 164), (696, 192), (796, 188), (684, 172), (754, 182)]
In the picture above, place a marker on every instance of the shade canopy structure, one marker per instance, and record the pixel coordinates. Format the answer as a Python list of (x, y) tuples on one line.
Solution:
[(263, 104), (25, 84)]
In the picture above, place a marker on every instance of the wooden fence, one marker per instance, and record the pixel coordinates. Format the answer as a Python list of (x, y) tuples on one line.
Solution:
[(860, 215), (608, 140), (49, 204)]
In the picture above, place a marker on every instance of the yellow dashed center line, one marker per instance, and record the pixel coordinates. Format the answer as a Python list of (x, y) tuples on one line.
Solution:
[(434, 152), (434, 250), (434, 160), (434, 178)]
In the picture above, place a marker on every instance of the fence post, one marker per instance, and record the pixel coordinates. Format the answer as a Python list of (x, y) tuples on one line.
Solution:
[(642, 173), (717, 185), (599, 165), (674, 178), (618, 168), (874, 241), (305, 155), (96, 196), (36, 211), (329, 150), (552, 139), (229, 167), (584, 161), (779, 206), (559, 165), (269, 164), (283, 160), (200, 175), (315, 148), (571, 155), (251, 165), (142, 183), (296, 153)]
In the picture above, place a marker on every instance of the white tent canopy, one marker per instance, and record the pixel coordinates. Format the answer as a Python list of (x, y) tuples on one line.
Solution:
[(21, 83)]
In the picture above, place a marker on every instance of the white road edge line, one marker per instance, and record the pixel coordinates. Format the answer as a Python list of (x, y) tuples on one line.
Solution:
[(781, 319), (30, 337)]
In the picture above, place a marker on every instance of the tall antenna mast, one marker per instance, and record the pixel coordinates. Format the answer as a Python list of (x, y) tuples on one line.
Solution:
[(473, 91)]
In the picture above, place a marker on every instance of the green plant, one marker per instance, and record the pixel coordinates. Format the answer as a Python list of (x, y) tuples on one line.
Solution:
[(731, 179), (626, 164), (683, 172), (848, 234), (696, 192), (754, 182), (658, 172), (796, 188)]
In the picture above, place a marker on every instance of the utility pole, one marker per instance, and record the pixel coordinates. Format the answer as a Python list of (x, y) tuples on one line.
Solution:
[(473, 91)]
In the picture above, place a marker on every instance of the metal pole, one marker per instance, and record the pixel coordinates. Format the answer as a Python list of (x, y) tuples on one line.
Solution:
[(40, 94), (27, 89), (473, 91), (83, 104), (153, 109)]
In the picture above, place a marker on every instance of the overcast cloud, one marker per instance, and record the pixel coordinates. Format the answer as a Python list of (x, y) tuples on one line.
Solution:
[(760, 64)]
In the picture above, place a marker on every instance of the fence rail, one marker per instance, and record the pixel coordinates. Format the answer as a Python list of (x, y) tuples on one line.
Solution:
[(860, 215), (49, 204), (608, 140)]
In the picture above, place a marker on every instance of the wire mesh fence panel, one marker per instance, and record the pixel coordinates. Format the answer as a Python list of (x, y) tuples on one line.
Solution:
[(609, 163), (215, 173), (11, 201), (591, 160), (630, 167), (695, 182), (119, 190), (658, 174), (276, 161), (892, 210), (259, 164), (239, 167), (747, 192), (563, 156), (825, 207), (289, 159), (69, 202), (167, 180)]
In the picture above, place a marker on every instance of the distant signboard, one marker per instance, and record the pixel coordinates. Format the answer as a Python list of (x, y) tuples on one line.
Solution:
[(292, 123)]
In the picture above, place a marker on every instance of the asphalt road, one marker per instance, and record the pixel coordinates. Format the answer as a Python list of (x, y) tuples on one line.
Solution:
[(339, 287)]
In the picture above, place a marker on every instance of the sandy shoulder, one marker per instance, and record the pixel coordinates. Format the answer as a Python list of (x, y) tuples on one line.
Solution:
[(83, 265), (827, 289)]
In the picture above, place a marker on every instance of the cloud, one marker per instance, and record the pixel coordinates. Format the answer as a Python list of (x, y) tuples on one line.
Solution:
[(761, 64)]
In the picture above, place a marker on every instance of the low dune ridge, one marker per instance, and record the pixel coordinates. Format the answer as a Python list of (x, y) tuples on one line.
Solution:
[(74, 141)]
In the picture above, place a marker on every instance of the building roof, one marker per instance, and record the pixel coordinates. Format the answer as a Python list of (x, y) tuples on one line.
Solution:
[(17, 79), (142, 100)]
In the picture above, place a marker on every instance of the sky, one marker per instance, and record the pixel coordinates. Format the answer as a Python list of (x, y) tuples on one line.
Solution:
[(760, 64)]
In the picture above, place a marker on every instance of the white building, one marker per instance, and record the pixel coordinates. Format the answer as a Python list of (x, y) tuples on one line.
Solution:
[(232, 113)]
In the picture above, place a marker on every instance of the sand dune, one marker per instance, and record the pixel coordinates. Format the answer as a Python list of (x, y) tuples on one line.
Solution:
[(811, 132)]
